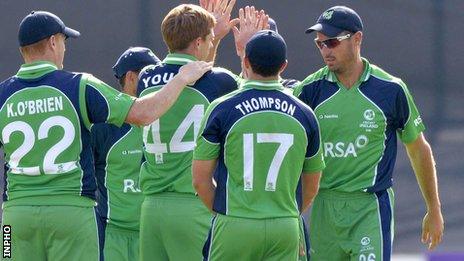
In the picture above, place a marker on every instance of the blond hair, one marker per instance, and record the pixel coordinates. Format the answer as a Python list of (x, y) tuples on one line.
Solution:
[(185, 23)]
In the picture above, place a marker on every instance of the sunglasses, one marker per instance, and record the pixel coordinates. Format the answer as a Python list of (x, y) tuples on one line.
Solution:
[(331, 42)]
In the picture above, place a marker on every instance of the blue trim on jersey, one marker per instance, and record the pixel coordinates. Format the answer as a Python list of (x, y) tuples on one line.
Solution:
[(306, 237), (95, 100), (289, 83), (299, 195), (317, 92), (390, 98), (212, 84), (221, 176), (383, 200), (207, 246), (5, 181), (103, 137), (101, 231)]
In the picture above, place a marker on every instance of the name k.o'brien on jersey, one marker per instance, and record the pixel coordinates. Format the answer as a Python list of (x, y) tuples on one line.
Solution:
[(260, 103), (45, 105)]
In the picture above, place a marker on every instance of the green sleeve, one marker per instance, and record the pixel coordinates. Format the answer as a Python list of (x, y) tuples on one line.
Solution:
[(208, 142), (206, 150), (315, 163), (117, 103), (413, 125)]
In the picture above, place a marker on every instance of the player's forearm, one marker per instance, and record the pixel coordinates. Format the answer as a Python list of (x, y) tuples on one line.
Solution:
[(151, 107), (202, 180), (422, 161), (212, 52), (242, 65), (310, 189), (206, 193)]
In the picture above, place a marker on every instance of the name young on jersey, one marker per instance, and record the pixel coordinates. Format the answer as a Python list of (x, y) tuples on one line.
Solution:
[(31, 107), (261, 103), (157, 79)]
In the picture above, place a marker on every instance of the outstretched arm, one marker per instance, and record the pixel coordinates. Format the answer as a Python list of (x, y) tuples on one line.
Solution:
[(250, 22), (149, 108), (421, 157), (221, 10)]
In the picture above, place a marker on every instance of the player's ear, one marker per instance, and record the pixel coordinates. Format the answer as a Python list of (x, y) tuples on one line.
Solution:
[(197, 42), (283, 67), (358, 38), (246, 62), (52, 41)]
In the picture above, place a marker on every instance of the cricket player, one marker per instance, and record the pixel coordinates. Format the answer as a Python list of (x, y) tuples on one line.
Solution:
[(242, 36), (262, 146), (45, 117), (174, 223), (118, 154), (362, 110)]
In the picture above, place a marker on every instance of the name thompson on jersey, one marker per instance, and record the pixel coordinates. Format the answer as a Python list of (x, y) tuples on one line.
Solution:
[(262, 103)]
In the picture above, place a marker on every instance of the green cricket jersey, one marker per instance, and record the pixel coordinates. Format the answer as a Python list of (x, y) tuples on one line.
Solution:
[(118, 154), (264, 138), (169, 141), (360, 126), (45, 115)]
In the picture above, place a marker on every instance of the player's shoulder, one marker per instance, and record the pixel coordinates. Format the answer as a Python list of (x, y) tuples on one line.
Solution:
[(5, 91), (388, 79), (87, 78), (151, 69), (216, 83), (290, 83), (225, 102), (298, 102), (156, 74), (316, 76), (312, 80), (228, 97), (7, 81), (64, 73), (221, 74)]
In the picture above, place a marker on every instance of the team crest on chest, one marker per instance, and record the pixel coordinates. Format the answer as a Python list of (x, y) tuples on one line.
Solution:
[(369, 121)]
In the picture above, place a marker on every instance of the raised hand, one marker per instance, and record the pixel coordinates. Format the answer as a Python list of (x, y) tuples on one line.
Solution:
[(250, 22), (221, 10)]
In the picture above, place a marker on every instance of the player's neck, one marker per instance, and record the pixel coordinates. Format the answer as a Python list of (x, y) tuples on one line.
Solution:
[(188, 51), (256, 77), (350, 76), (37, 58)]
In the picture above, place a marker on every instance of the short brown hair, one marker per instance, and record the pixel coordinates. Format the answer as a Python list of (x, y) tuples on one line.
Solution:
[(185, 23)]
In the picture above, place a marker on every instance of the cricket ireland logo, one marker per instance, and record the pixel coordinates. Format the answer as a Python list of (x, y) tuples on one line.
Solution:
[(327, 14)]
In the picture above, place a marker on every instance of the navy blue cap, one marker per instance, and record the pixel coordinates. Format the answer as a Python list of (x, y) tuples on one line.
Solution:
[(337, 19), (134, 59), (39, 25), (272, 25), (266, 48)]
